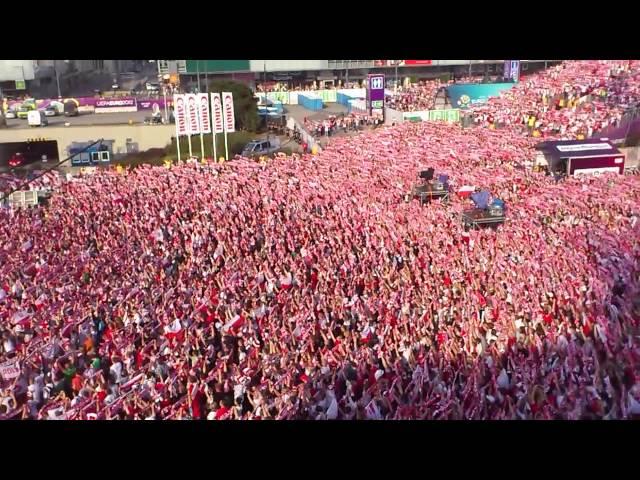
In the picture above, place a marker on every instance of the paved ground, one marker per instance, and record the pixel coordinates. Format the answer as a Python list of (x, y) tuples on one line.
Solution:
[(300, 113), (87, 119), (296, 111)]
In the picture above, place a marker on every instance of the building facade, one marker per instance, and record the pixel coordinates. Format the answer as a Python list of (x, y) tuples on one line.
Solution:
[(325, 73)]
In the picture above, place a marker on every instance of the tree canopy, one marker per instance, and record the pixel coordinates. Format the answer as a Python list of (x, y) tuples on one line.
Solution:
[(244, 103)]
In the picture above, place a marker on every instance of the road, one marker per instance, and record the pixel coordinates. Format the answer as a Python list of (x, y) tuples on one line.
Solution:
[(85, 119)]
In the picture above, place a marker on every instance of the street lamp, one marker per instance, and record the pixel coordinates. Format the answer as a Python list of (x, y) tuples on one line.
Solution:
[(55, 69)]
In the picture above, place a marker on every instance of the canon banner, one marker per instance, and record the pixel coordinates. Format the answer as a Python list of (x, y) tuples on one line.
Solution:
[(216, 105), (229, 115), (180, 114), (203, 108), (193, 124)]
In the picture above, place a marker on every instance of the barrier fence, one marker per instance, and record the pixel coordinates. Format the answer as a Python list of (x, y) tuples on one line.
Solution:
[(447, 115)]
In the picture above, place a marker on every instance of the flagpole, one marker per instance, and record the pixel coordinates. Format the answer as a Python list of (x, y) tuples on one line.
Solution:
[(178, 141), (226, 146), (190, 149), (214, 135), (201, 147)]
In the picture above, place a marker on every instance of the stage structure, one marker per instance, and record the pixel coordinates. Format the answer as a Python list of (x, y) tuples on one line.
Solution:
[(428, 189), (485, 213)]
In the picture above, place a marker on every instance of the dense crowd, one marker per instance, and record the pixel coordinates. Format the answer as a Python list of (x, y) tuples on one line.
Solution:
[(305, 87), (570, 100), (415, 97), (340, 124), (307, 288)]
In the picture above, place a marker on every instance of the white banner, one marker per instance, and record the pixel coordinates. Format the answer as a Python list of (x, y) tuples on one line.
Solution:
[(9, 370), (595, 171), (180, 114), (216, 104), (229, 115), (193, 124), (205, 116)]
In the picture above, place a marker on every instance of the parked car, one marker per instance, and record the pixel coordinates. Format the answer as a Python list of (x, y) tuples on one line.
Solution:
[(153, 120), (10, 114), (23, 112), (260, 147), (50, 111), (16, 160)]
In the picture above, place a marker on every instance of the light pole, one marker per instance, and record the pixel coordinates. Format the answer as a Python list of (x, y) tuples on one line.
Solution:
[(198, 70), (57, 79), (396, 75), (55, 69), (163, 85)]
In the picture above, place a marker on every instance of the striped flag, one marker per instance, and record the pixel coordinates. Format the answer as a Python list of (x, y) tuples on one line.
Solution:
[(174, 331)]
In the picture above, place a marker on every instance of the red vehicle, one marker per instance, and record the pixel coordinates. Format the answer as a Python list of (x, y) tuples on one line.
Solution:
[(16, 160)]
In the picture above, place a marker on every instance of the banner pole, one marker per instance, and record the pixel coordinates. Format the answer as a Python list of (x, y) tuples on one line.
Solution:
[(177, 141), (190, 149), (226, 147), (201, 147), (215, 153)]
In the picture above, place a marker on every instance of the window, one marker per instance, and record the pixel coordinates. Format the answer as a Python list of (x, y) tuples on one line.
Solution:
[(104, 156), (95, 157)]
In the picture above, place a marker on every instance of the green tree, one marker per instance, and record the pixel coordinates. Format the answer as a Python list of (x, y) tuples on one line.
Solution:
[(244, 103)]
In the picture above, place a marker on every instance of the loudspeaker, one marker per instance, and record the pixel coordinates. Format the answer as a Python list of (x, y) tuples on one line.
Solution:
[(427, 174)]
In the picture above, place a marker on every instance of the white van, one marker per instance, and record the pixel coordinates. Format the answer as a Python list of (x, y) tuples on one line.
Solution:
[(36, 118)]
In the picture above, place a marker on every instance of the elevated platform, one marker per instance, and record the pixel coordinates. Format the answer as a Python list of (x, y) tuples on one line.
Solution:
[(477, 217)]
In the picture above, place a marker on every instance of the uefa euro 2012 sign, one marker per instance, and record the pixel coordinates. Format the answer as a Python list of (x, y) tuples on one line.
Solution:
[(466, 94)]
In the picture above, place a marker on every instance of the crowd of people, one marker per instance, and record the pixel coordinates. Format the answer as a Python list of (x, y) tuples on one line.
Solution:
[(306, 87), (570, 100), (340, 124), (415, 97), (307, 288)]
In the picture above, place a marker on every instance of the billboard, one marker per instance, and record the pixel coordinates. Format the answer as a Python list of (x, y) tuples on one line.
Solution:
[(416, 62), (116, 105), (229, 114), (203, 109), (402, 63), (193, 123), (465, 95), (596, 165), (180, 115), (216, 106), (512, 70)]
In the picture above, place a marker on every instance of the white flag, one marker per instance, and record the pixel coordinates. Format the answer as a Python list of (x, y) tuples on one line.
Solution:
[(193, 122), (180, 114), (229, 115), (205, 118), (10, 370), (218, 122)]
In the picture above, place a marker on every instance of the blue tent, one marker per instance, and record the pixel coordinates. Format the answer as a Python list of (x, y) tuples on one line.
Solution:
[(481, 199)]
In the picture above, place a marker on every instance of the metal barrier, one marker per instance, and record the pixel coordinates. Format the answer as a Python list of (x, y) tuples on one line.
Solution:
[(23, 199)]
